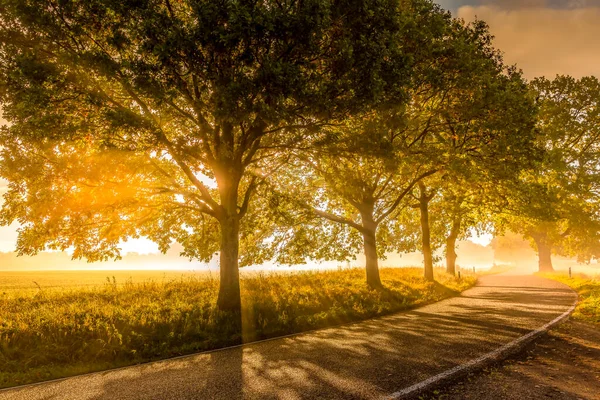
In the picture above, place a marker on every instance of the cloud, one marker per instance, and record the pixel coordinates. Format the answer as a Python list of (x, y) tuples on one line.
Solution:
[(544, 41), (520, 4)]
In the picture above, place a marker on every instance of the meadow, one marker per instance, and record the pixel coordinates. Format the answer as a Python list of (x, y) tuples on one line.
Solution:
[(91, 323), (63, 279)]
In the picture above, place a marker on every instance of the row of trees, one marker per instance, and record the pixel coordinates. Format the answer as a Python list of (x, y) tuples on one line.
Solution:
[(559, 209), (283, 130)]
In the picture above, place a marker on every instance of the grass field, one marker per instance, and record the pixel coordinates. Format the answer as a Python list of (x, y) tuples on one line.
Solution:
[(88, 323), (50, 280), (588, 289)]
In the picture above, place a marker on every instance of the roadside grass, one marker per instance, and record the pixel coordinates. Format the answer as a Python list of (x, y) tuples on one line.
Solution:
[(58, 332), (588, 289)]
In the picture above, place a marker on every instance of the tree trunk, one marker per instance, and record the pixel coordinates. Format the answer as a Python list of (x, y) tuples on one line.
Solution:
[(372, 264), (451, 248), (425, 233), (544, 253), (229, 298), (229, 286), (370, 244)]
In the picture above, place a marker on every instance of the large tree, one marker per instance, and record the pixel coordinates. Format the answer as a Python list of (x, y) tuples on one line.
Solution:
[(476, 128), (161, 118), (464, 107), (359, 181), (557, 206)]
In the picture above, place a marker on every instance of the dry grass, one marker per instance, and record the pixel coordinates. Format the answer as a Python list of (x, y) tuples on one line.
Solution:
[(54, 332), (588, 289)]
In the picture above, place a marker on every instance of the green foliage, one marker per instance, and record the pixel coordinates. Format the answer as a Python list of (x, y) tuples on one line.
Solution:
[(115, 108), (162, 119), (56, 332), (557, 204), (477, 129), (468, 118)]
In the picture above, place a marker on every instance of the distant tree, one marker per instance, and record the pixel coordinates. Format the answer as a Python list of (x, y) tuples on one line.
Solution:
[(450, 208), (558, 204), (462, 214), (464, 208), (510, 247), (162, 118)]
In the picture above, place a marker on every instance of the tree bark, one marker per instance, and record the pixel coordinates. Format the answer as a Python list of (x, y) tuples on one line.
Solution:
[(229, 298), (544, 253), (425, 232), (451, 247), (370, 245)]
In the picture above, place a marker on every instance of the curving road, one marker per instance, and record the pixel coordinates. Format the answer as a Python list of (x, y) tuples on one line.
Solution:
[(367, 360)]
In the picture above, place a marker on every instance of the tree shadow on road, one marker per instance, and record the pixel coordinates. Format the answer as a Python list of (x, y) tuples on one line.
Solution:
[(358, 361)]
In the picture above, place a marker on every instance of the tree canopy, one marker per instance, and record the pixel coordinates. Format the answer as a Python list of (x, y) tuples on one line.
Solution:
[(466, 113), (161, 119), (284, 130), (558, 205)]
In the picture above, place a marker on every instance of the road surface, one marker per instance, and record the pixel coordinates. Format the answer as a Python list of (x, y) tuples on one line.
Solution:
[(366, 360)]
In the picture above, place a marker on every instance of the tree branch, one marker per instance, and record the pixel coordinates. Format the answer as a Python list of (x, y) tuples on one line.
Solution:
[(247, 195), (403, 194), (336, 218)]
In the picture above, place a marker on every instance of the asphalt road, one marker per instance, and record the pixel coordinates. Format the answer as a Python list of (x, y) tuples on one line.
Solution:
[(366, 360)]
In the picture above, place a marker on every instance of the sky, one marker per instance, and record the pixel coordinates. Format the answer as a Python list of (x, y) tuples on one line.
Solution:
[(542, 37)]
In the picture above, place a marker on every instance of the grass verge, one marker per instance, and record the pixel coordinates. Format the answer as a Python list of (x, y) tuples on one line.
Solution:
[(588, 289), (52, 333)]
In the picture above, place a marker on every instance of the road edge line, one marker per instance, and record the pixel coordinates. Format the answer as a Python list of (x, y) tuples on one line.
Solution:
[(478, 363)]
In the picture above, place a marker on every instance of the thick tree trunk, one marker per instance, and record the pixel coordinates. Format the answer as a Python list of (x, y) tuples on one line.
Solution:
[(544, 253), (229, 286), (370, 244), (372, 264), (451, 248), (425, 233)]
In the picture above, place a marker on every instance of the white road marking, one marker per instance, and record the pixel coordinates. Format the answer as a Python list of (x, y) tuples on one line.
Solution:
[(479, 361)]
